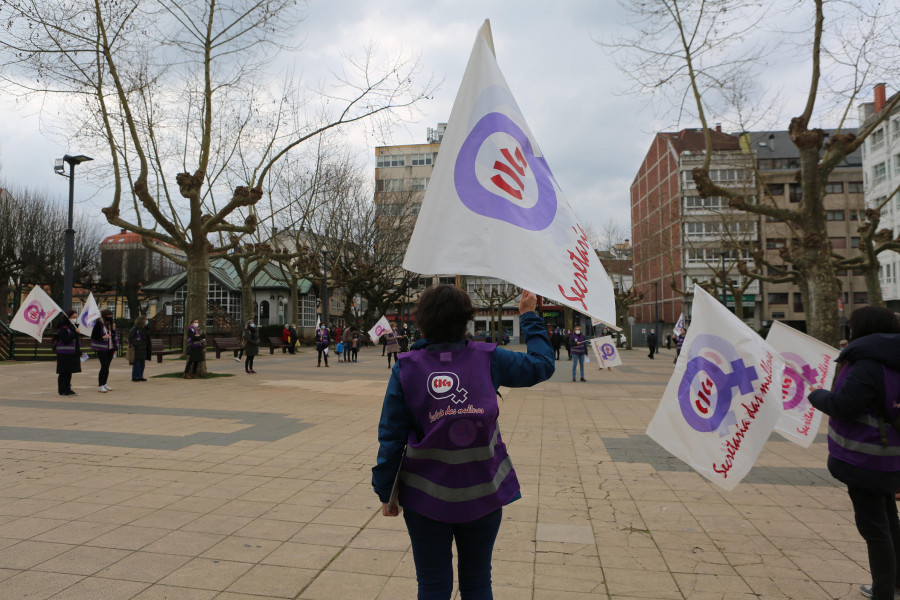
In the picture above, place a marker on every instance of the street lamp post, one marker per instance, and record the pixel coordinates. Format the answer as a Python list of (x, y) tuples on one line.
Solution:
[(325, 286), (656, 310), (69, 260)]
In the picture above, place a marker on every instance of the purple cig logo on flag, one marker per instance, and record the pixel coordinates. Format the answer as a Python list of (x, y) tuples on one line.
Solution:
[(511, 166), (446, 386), (34, 313)]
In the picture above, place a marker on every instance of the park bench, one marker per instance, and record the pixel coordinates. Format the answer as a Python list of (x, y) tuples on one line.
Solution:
[(226, 343), (277, 342), (156, 347)]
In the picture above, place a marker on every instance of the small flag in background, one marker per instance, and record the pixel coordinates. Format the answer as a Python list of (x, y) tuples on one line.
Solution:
[(606, 352), (382, 327), (35, 314)]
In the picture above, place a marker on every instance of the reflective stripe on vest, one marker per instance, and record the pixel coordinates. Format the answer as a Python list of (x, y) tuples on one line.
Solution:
[(466, 494), (863, 447), (457, 457)]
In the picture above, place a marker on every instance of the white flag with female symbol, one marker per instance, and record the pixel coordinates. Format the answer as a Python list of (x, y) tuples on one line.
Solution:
[(723, 399), (35, 314), (808, 362), (382, 327), (605, 350), (89, 314), (493, 207)]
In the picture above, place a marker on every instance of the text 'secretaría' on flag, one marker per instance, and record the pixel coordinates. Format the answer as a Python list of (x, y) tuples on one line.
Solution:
[(808, 362), (35, 314), (493, 207), (723, 399), (606, 352), (382, 327)]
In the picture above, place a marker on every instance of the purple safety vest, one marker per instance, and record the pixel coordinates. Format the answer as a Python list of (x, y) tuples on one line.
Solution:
[(69, 348), (194, 339), (103, 345), (858, 442), (459, 471)]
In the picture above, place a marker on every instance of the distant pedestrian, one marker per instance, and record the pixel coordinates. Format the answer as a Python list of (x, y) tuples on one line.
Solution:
[(569, 343), (67, 345), (354, 345), (864, 439), (457, 476), (348, 336), (323, 340), (196, 349), (286, 339), (139, 340), (668, 341), (392, 343), (679, 342), (556, 340), (339, 351), (294, 338), (651, 342), (104, 341), (578, 348), (251, 346)]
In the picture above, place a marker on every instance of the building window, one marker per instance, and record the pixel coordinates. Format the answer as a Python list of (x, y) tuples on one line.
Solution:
[(778, 298), (711, 203), (879, 173), (834, 187), (390, 160), (854, 242), (390, 185), (897, 164), (795, 193), (855, 187), (798, 302), (856, 215), (860, 297), (877, 140), (834, 215), (838, 243), (775, 189), (450, 280), (424, 282), (419, 160), (774, 243), (418, 184)]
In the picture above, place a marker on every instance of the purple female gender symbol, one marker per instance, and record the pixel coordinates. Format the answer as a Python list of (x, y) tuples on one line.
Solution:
[(484, 202), (800, 381), (740, 376), (607, 351), (34, 312)]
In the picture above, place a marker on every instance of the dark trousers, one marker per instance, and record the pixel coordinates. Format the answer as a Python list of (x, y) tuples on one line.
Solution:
[(322, 353), (877, 522), (432, 546), (137, 369), (64, 383), (355, 353), (346, 353), (248, 363), (192, 366), (652, 351), (557, 353), (390, 354), (105, 357)]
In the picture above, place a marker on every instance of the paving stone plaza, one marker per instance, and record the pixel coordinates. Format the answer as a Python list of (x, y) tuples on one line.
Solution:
[(258, 486)]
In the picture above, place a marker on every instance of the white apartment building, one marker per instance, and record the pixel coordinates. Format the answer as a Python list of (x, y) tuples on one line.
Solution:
[(881, 176)]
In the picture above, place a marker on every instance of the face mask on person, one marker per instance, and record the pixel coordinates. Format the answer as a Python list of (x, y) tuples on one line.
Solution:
[(252, 325), (577, 332), (195, 324)]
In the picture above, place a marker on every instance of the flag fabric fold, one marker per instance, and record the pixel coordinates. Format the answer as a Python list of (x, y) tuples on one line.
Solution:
[(89, 314), (724, 398), (36, 313), (493, 207), (808, 362)]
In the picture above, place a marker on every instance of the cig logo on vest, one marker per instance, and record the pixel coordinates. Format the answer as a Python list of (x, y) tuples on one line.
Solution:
[(714, 371), (446, 386), (34, 313), (498, 176)]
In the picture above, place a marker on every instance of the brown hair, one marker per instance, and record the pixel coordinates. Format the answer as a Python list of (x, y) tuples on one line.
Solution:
[(443, 312), (872, 319)]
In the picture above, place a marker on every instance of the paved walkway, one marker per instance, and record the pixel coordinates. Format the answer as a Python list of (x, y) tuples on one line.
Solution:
[(253, 487)]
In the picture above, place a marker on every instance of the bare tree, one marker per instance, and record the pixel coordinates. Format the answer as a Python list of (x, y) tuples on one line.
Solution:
[(703, 53), (493, 297), (184, 87)]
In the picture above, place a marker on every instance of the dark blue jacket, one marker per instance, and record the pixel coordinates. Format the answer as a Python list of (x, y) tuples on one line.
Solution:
[(508, 368), (862, 389)]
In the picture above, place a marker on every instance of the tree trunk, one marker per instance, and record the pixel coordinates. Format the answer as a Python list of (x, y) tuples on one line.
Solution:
[(197, 300), (821, 295), (294, 308), (4, 297), (873, 285), (247, 300)]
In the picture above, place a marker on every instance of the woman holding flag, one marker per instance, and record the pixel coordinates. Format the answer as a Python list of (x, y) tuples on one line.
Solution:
[(67, 345), (864, 439), (456, 476)]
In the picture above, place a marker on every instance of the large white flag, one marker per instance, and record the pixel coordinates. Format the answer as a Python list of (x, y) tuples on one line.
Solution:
[(723, 399), (606, 352), (809, 362), (382, 327), (493, 208), (89, 314), (35, 314)]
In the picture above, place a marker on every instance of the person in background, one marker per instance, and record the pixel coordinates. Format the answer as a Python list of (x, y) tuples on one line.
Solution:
[(339, 350), (251, 346), (348, 336), (452, 450), (578, 348), (104, 341), (864, 440), (354, 345), (679, 342), (139, 339), (651, 342), (67, 345), (843, 344), (569, 343), (196, 349), (323, 340), (286, 338), (392, 344), (294, 337), (556, 340), (668, 341)]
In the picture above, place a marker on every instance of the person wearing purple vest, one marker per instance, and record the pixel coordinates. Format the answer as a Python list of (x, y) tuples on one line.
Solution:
[(864, 440), (578, 348), (323, 339), (67, 345), (441, 404), (105, 342)]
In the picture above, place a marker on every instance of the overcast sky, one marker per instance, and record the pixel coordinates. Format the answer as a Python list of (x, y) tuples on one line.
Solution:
[(566, 84)]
